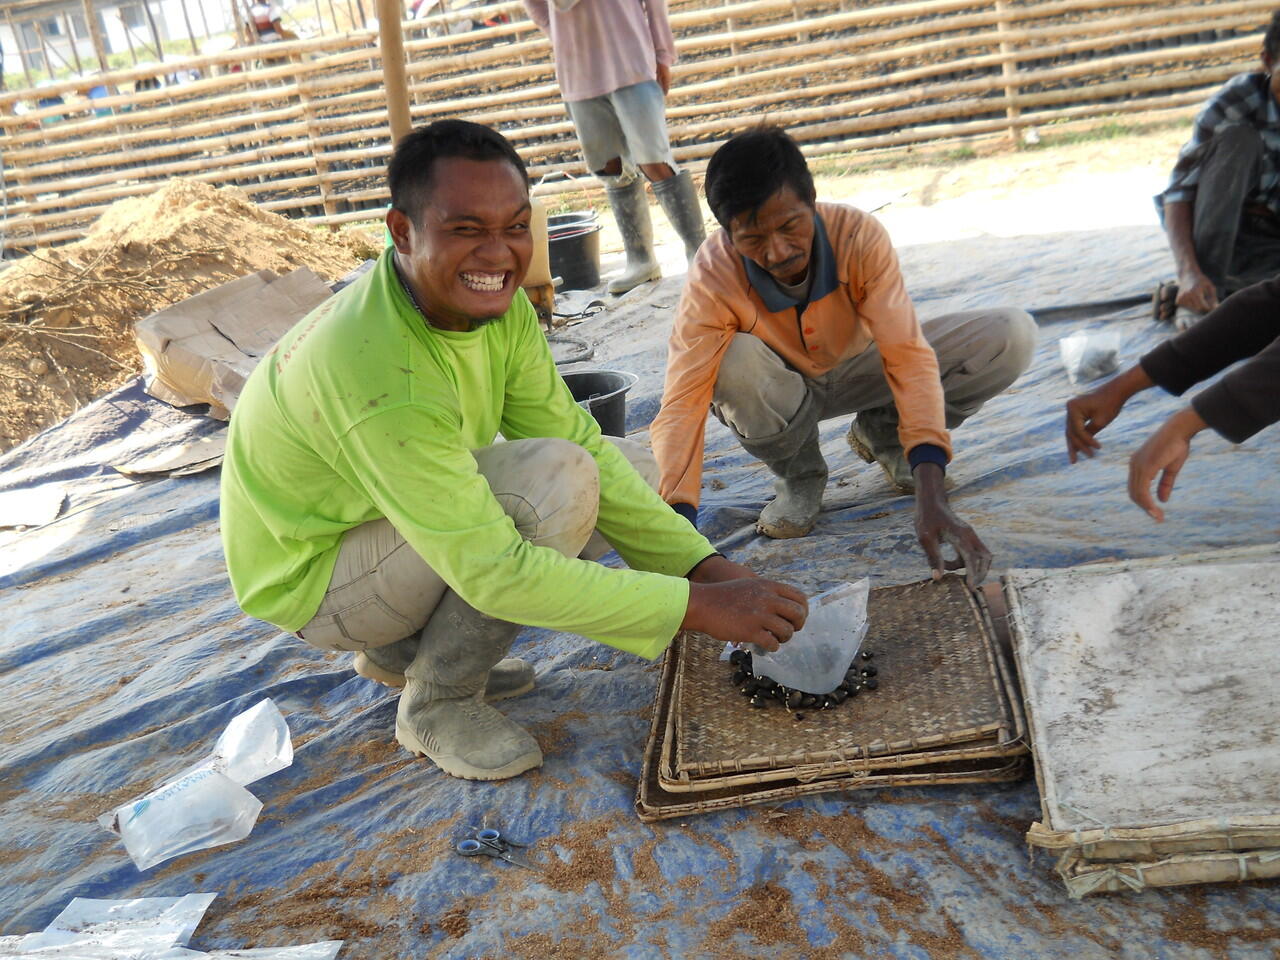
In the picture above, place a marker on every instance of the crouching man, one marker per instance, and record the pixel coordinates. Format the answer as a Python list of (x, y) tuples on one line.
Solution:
[(796, 312), (367, 507)]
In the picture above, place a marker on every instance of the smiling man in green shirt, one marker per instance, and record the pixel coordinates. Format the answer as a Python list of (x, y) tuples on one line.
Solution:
[(367, 507)]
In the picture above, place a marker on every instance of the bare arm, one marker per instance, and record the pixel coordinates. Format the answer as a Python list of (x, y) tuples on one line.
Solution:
[(1195, 290)]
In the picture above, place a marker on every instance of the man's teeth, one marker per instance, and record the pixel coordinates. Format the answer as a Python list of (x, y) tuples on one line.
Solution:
[(485, 282)]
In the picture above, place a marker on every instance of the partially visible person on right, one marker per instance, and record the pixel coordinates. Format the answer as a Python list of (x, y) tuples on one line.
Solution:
[(1221, 209), (1245, 327)]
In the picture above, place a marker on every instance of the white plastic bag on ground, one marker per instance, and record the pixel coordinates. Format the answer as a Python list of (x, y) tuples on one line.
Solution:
[(815, 659), (206, 805), (1090, 355)]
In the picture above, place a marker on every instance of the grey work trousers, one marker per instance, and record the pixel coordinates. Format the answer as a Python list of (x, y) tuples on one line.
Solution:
[(1235, 247), (382, 591), (762, 399)]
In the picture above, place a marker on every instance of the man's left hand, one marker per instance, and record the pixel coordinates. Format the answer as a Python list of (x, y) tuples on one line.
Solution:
[(664, 78), (937, 524), (1164, 453)]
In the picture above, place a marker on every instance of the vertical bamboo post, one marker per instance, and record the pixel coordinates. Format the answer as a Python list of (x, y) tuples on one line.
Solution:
[(732, 26), (317, 152), (155, 31), (333, 13), (391, 44), (95, 35), (44, 47), (204, 19), (71, 38), (1009, 71), (22, 47), (803, 35), (128, 37), (191, 34), (244, 31)]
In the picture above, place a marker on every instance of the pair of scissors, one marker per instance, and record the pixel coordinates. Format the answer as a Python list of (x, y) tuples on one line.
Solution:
[(491, 843)]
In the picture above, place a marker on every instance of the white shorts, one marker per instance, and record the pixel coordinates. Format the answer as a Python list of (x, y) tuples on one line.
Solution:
[(630, 124)]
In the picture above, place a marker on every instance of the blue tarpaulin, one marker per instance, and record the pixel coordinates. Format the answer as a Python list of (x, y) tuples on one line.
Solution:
[(124, 656)]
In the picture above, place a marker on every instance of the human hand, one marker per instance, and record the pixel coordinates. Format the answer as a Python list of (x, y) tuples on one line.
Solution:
[(1164, 453), (753, 610), (1196, 292), (664, 78), (1088, 413), (937, 524)]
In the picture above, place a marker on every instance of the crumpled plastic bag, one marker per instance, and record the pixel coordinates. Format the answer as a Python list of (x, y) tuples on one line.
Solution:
[(207, 804), (1090, 355), (816, 657)]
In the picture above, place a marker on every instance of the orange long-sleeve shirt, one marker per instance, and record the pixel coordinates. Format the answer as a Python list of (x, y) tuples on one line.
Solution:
[(869, 304)]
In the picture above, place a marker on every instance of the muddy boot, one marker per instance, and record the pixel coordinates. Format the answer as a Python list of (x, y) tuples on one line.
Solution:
[(441, 713), (888, 453), (631, 210), (386, 665), (680, 203), (801, 478)]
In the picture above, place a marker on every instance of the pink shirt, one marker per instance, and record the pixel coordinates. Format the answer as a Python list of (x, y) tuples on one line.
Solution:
[(604, 45)]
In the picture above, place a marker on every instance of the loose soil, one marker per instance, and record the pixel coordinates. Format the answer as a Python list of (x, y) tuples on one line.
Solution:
[(67, 314)]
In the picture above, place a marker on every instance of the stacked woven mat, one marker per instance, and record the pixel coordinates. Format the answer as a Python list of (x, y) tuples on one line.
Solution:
[(1153, 709), (946, 711)]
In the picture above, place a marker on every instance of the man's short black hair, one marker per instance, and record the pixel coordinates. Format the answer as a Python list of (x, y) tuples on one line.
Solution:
[(415, 156), (1271, 39), (750, 168)]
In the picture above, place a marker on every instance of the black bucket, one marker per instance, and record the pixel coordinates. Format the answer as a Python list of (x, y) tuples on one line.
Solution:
[(603, 394), (573, 246)]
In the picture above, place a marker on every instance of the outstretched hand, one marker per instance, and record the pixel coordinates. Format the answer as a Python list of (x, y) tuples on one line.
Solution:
[(936, 524), (1164, 453), (1090, 412)]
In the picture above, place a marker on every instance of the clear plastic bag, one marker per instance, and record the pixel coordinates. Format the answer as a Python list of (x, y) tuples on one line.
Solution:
[(815, 659), (1090, 355), (207, 804)]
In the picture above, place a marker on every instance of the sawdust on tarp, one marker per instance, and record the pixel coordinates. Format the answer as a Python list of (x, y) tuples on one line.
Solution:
[(67, 314)]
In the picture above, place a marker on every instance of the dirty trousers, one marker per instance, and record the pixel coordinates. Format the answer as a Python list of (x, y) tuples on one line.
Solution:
[(1235, 247), (383, 591), (762, 399)]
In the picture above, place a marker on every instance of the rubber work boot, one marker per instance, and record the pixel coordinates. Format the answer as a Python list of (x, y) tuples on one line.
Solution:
[(441, 714), (801, 479), (889, 455), (386, 665), (680, 203), (631, 210)]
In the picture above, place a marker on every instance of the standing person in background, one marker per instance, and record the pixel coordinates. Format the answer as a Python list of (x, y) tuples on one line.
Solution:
[(613, 63)]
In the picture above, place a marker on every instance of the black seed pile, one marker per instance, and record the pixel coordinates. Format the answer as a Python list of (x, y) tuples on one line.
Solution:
[(861, 676)]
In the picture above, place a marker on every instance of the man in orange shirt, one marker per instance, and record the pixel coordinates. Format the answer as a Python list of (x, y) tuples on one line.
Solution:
[(796, 312)]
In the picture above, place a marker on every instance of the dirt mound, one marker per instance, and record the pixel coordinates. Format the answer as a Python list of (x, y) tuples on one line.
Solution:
[(67, 314)]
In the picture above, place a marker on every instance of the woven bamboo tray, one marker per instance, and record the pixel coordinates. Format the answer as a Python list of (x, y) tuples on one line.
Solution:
[(1189, 809), (947, 697), (654, 803)]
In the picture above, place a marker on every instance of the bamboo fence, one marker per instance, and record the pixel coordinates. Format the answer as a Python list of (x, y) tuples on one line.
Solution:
[(302, 126)]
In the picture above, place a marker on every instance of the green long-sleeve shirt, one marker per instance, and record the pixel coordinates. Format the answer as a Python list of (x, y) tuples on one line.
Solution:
[(363, 411)]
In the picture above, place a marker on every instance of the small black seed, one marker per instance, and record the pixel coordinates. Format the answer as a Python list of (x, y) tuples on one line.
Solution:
[(746, 690), (866, 654), (739, 677), (795, 700), (853, 690), (798, 716), (840, 695), (871, 683), (758, 701), (869, 671), (738, 657), (808, 700)]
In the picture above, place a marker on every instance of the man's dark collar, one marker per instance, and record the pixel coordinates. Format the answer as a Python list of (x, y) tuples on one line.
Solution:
[(822, 266)]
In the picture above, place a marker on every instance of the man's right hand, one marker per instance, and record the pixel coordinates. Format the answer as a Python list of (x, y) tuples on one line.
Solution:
[(763, 612), (1197, 292), (1088, 413)]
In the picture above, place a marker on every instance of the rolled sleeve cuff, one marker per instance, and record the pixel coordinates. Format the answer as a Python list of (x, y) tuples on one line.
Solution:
[(1167, 370), (1229, 415), (927, 453), (688, 511)]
